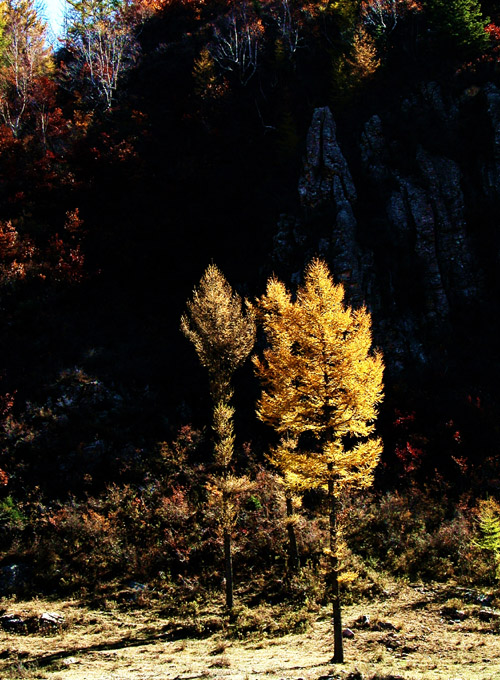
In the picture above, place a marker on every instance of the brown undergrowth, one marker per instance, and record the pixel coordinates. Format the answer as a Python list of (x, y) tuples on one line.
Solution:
[(413, 632)]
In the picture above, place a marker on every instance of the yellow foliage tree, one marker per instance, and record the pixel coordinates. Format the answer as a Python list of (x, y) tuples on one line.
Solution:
[(365, 61), (223, 337), (321, 385), (205, 77)]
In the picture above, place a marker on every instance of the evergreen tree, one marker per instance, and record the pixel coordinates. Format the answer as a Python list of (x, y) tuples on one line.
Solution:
[(223, 337), (321, 385), (489, 524), (461, 22)]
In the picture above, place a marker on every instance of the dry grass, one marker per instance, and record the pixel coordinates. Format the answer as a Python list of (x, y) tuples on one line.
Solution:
[(414, 633)]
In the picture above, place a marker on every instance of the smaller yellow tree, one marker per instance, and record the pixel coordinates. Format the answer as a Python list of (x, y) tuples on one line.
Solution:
[(205, 76), (321, 385), (364, 61), (223, 337)]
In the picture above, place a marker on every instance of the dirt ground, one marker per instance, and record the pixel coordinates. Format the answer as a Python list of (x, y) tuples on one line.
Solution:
[(413, 633)]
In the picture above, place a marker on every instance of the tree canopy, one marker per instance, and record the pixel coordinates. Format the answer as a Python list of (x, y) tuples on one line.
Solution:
[(321, 381), (321, 387)]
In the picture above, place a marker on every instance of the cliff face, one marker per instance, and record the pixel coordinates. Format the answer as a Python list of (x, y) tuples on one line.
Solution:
[(407, 218)]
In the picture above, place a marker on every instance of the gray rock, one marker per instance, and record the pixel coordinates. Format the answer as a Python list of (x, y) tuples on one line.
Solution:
[(421, 215), (491, 177), (323, 163), (348, 633), (400, 240), (69, 661), (445, 110), (398, 215), (51, 620), (374, 151), (13, 623), (326, 185), (442, 178), (363, 621), (287, 240), (488, 614), (428, 210)]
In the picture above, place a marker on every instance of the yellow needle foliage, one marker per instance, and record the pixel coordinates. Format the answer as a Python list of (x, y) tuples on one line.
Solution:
[(364, 61), (223, 337), (321, 383), (221, 334)]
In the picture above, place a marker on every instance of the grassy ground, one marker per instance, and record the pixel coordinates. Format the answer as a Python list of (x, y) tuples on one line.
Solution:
[(414, 633)]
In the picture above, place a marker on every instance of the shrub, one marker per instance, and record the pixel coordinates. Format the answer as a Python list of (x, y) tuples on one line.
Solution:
[(461, 22), (11, 515), (489, 525), (418, 533)]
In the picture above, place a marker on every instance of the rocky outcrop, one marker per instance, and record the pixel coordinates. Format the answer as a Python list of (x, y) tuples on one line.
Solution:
[(454, 252), (426, 214), (415, 219), (326, 175), (397, 231), (374, 150), (46, 622), (445, 109), (326, 187), (491, 175)]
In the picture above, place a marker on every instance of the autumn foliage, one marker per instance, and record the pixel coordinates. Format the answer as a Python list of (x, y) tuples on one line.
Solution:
[(159, 135), (321, 388), (320, 381), (223, 337)]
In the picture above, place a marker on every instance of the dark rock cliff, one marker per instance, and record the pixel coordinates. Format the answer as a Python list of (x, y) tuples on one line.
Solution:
[(407, 216)]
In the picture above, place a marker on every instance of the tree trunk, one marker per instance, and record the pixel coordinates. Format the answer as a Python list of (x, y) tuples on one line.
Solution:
[(229, 569), (293, 551), (338, 650)]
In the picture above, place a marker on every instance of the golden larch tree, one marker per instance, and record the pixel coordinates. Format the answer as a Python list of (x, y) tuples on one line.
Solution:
[(321, 385), (223, 337), (364, 61)]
